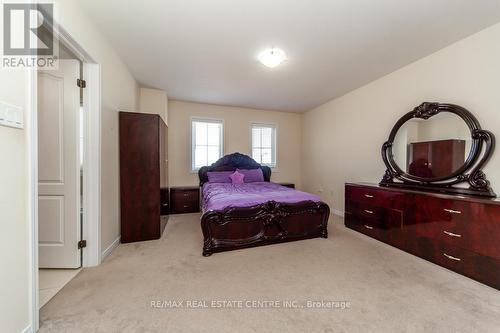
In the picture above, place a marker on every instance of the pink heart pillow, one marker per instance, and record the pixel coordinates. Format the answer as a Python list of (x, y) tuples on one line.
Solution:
[(237, 177)]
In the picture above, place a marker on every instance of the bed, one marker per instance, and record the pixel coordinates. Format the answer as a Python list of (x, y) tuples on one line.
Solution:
[(254, 214)]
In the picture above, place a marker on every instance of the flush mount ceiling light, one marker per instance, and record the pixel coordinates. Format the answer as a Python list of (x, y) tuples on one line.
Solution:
[(272, 57)]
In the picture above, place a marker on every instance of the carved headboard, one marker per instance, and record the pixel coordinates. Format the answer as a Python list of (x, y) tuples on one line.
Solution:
[(232, 162)]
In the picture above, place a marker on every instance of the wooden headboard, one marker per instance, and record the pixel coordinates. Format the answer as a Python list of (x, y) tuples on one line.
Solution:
[(232, 162)]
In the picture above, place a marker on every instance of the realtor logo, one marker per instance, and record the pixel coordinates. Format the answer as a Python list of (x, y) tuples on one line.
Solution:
[(28, 35)]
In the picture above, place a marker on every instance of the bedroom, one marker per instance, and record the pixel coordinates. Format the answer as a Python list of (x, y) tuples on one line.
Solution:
[(168, 88)]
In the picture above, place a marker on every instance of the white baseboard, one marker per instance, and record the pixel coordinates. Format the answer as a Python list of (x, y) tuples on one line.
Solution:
[(338, 212), (27, 330), (110, 249)]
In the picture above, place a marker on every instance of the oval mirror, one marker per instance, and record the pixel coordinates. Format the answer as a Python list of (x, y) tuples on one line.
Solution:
[(438, 147), (432, 148)]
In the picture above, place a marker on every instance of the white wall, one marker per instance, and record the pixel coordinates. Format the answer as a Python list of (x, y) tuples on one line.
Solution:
[(15, 231), (237, 123), (154, 101), (120, 91), (342, 138)]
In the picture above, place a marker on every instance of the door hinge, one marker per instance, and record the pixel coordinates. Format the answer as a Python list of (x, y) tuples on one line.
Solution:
[(81, 83), (82, 244)]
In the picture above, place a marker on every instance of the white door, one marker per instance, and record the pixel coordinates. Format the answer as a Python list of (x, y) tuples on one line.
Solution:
[(59, 166)]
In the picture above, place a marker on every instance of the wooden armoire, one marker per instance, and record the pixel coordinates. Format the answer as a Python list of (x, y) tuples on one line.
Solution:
[(433, 159), (143, 176)]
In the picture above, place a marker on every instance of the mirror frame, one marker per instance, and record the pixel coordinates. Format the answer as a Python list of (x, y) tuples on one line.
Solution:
[(471, 172)]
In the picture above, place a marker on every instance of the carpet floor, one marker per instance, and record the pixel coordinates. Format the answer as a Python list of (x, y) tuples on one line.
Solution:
[(357, 284)]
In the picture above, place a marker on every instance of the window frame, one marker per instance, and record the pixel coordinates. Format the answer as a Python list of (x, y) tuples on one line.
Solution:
[(274, 142), (221, 139)]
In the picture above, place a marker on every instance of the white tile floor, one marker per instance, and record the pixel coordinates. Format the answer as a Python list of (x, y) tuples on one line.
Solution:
[(50, 281)]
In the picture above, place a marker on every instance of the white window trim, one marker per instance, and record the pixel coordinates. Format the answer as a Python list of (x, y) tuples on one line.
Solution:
[(207, 120), (275, 126)]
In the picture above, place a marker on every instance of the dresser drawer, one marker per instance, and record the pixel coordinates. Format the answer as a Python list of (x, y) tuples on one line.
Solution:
[(431, 209), (364, 195), (482, 268), (476, 266), (471, 226), (380, 223), (470, 239), (438, 230), (367, 227), (384, 218), (185, 200), (482, 233), (375, 214)]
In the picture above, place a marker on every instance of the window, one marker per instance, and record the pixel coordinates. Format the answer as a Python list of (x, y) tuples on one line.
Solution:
[(207, 139), (264, 144)]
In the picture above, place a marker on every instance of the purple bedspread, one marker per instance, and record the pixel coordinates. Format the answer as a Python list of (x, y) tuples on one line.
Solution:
[(218, 196)]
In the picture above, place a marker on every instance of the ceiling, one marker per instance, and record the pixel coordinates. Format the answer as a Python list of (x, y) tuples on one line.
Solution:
[(206, 50)]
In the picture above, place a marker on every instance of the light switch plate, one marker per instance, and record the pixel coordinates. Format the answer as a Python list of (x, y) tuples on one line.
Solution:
[(11, 115)]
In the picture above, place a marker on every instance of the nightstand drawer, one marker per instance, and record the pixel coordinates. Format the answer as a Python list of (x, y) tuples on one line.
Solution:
[(184, 200), (190, 195)]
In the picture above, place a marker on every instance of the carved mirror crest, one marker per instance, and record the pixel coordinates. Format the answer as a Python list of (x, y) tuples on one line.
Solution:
[(438, 147)]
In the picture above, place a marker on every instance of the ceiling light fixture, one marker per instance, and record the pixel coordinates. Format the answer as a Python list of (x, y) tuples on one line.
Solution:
[(272, 57)]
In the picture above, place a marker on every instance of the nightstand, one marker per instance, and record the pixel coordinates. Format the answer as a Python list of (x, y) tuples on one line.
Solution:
[(185, 199), (290, 185)]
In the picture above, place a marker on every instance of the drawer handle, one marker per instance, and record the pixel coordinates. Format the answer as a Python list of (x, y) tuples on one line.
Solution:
[(185, 206), (451, 257), (452, 211), (368, 227), (368, 195), (368, 211), (165, 205), (185, 194), (451, 234)]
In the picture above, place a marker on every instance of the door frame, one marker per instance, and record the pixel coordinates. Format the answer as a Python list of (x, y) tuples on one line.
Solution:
[(91, 231)]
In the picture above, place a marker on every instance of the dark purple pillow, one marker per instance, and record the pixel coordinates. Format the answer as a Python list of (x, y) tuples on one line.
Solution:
[(252, 175), (219, 176)]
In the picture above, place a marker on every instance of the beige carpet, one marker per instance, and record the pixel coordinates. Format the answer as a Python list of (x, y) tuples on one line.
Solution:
[(387, 290)]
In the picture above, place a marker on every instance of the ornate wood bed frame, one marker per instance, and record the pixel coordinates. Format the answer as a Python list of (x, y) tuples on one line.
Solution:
[(268, 223)]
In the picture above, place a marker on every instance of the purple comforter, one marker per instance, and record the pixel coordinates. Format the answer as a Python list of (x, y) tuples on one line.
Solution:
[(218, 196)]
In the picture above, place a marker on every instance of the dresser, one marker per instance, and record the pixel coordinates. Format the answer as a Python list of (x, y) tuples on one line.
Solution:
[(456, 232), (144, 194)]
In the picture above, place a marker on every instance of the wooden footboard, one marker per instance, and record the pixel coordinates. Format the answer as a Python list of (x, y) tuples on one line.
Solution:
[(268, 223)]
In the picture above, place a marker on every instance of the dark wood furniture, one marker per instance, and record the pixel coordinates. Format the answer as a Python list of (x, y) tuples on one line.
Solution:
[(482, 145), (434, 159), (457, 232), (268, 223), (165, 201), (185, 199), (290, 185), (143, 176)]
